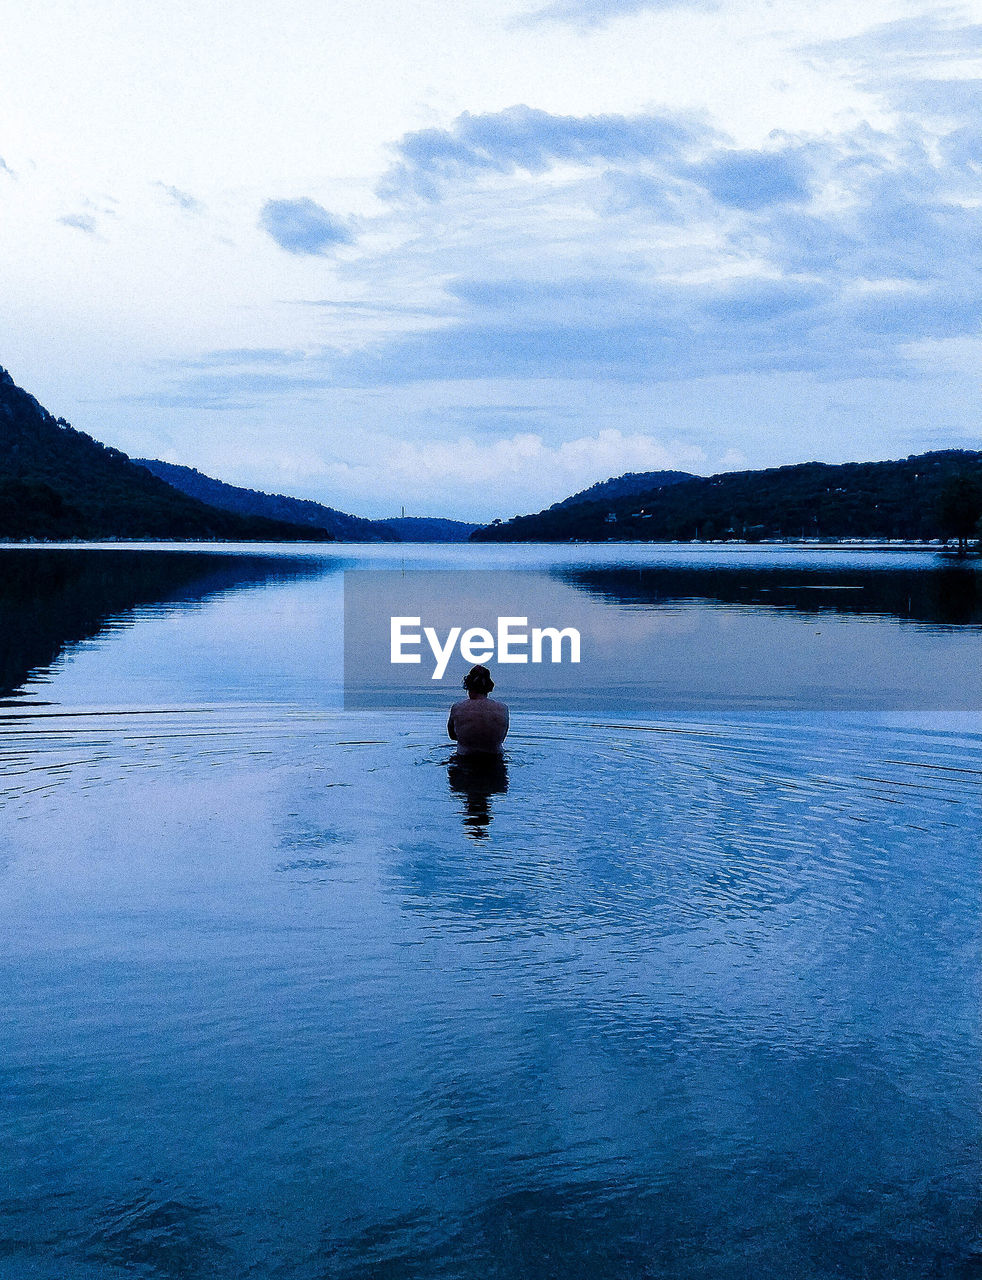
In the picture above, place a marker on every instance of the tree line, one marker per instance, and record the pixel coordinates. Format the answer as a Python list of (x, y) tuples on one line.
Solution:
[(922, 497)]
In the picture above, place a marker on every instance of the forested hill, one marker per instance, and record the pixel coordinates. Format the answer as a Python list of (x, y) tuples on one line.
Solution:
[(57, 483), (430, 528), (628, 485), (276, 506), (812, 500)]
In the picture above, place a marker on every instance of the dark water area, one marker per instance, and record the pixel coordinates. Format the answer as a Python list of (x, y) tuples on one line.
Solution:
[(948, 595), (52, 601), (292, 992)]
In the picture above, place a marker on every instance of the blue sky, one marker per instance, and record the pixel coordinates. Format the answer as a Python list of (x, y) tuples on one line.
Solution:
[(469, 258)]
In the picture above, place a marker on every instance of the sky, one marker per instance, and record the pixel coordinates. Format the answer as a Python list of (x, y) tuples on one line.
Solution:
[(469, 256)]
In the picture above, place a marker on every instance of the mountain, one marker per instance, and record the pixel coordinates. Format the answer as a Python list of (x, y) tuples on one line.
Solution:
[(900, 499), (628, 485), (430, 529), (58, 483), (273, 506)]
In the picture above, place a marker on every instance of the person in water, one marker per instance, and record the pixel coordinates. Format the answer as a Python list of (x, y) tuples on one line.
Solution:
[(477, 723)]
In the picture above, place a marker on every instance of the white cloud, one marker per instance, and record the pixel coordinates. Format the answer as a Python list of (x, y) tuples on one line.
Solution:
[(517, 473), (80, 221), (604, 219), (183, 199), (598, 13)]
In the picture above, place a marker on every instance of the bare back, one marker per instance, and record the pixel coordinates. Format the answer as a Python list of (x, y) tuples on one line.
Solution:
[(478, 725)]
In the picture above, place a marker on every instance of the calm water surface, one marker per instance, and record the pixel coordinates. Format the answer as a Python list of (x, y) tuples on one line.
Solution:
[(289, 993)]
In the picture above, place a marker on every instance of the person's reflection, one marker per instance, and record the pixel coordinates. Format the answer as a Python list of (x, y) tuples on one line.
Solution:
[(477, 778)]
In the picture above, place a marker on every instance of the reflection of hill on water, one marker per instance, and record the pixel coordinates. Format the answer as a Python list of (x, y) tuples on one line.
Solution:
[(946, 596), (52, 600)]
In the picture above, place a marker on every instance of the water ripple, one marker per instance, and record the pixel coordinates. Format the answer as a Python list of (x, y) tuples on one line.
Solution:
[(295, 994)]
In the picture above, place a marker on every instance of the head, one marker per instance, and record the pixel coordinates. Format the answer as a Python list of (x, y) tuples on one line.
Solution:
[(478, 682)]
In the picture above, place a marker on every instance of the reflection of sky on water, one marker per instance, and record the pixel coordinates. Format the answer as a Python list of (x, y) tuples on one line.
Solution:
[(663, 654), (700, 999), (58, 602), (670, 628), (288, 994)]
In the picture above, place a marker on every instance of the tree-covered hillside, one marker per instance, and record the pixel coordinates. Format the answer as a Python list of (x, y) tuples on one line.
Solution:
[(629, 485), (57, 483), (900, 499), (274, 506), (430, 528)]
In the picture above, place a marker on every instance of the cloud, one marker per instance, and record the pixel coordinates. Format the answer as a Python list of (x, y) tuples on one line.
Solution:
[(491, 419), (489, 477), (5, 168), (520, 331), (687, 333), (926, 70), (939, 97), (524, 138), (181, 198), (612, 248), (905, 44), (190, 399), (753, 179), (303, 227), (82, 221), (921, 67), (827, 257), (597, 13), (211, 384), (642, 252), (250, 356)]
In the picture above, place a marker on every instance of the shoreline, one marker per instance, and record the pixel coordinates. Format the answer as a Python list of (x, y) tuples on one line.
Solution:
[(853, 544)]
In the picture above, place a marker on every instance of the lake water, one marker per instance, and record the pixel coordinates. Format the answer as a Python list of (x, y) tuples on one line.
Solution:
[(686, 988)]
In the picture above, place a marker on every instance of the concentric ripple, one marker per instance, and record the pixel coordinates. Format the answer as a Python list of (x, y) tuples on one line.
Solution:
[(297, 994)]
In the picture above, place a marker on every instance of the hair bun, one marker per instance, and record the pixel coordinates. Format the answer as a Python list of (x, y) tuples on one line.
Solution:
[(478, 680)]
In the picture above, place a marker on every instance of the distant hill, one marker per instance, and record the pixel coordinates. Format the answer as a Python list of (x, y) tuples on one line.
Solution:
[(58, 483), (273, 506), (430, 529), (810, 500), (628, 485)]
